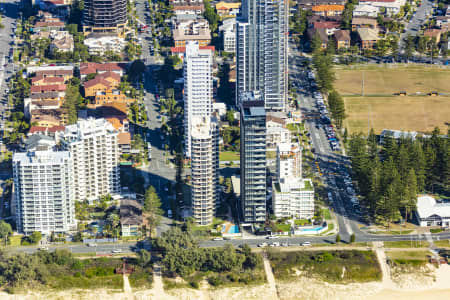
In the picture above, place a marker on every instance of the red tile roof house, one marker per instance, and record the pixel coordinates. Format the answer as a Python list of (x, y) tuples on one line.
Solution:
[(49, 131), (329, 26), (90, 68), (48, 88), (41, 80)]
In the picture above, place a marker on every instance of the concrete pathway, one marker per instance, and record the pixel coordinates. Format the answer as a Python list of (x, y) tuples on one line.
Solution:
[(270, 278), (127, 288), (385, 269)]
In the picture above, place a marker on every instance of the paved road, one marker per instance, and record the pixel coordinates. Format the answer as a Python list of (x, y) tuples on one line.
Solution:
[(420, 17)]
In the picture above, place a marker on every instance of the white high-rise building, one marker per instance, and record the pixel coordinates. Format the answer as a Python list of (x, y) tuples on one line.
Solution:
[(293, 196), (93, 146), (43, 192), (197, 87), (261, 51), (204, 168)]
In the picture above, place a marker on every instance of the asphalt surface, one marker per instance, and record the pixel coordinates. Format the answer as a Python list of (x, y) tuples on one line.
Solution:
[(420, 17)]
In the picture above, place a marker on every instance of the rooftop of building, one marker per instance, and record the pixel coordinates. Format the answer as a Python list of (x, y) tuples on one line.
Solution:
[(41, 156), (88, 68), (328, 7), (124, 138), (364, 21), (427, 206), (48, 88), (130, 212), (294, 184), (342, 35), (227, 5), (368, 34)]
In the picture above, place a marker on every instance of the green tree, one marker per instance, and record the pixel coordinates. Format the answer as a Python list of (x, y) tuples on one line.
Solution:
[(210, 15), (5, 231), (144, 258), (338, 238), (35, 237), (337, 107), (352, 238)]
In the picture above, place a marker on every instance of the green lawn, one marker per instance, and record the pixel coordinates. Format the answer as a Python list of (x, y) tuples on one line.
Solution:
[(413, 258), (407, 244), (326, 213), (442, 243), (229, 156), (301, 222), (15, 240), (283, 227)]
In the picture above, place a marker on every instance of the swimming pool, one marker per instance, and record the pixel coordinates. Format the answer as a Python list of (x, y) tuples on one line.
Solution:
[(231, 229), (312, 229)]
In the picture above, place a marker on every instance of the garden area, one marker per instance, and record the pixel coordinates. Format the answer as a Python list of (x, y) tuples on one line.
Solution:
[(181, 257), (330, 266)]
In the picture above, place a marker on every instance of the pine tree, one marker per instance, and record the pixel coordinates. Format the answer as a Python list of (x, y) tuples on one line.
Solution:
[(411, 196)]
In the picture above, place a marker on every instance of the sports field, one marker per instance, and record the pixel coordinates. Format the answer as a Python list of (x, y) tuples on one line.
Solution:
[(380, 110), (389, 79)]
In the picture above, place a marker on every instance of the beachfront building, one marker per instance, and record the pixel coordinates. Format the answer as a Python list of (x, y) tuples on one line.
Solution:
[(431, 212), (94, 148), (43, 191), (293, 196), (253, 159), (204, 168), (198, 87)]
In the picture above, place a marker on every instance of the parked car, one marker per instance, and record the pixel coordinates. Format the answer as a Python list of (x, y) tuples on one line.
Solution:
[(306, 244)]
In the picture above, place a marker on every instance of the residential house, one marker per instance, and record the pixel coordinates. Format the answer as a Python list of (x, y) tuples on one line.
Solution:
[(329, 26), (363, 23), (366, 10), (62, 41), (307, 4), (41, 80), (111, 77), (433, 33), (227, 8), (65, 72), (367, 37), (328, 10), (48, 88), (391, 7), (101, 44), (130, 217), (342, 39), (48, 117), (29, 105), (321, 32), (124, 141), (47, 26), (48, 131), (228, 33), (90, 68), (111, 96), (188, 9), (92, 87), (192, 30)]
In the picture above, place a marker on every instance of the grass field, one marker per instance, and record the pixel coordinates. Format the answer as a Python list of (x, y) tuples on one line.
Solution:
[(401, 113), (415, 258), (380, 110), (406, 244), (389, 79), (229, 156)]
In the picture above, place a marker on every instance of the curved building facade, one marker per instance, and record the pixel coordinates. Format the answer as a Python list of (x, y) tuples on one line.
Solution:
[(105, 16)]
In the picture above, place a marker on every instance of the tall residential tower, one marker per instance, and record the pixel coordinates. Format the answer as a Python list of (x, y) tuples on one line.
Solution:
[(43, 192), (204, 168), (95, 152), (197, 87), (105, 17), (253, 159), (261, 51)]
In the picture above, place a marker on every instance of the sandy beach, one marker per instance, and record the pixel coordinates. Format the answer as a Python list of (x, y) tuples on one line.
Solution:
[(408, 287)]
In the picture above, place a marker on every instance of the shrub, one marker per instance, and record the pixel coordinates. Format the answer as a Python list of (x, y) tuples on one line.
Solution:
[(194, 284), (215, 281)]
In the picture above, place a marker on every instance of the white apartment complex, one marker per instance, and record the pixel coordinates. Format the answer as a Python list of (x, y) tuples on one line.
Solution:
[(204, 168), (94, 148), (261, 52), (100, 45), (197, 87), (43, 192), (293, 196), (228, 32)]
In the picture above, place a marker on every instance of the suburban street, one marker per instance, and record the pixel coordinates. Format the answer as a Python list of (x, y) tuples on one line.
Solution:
[(412, 28)]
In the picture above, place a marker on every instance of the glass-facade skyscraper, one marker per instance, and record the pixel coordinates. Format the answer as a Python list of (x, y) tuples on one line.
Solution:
[(261, 51)]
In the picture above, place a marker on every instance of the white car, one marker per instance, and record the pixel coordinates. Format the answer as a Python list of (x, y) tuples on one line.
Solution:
[(218, 239), (262, 245), (273, 237), (306, 244), (117, 251)]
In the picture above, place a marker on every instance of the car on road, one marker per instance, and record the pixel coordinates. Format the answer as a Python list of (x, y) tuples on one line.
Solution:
[(306, 244), (92, 244), (273, 237), (117, 251), (217, 239), (275, 244), (43, 248), (262, 245)]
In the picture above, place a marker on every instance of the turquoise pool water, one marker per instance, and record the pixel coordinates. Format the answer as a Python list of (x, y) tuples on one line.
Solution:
[(312, 229), (232, 229)]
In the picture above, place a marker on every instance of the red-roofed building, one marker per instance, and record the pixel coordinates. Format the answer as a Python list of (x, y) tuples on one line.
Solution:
[(92, 87), (41, 80), (48, 88), (329, 26), (49, 131), (90, 68)]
